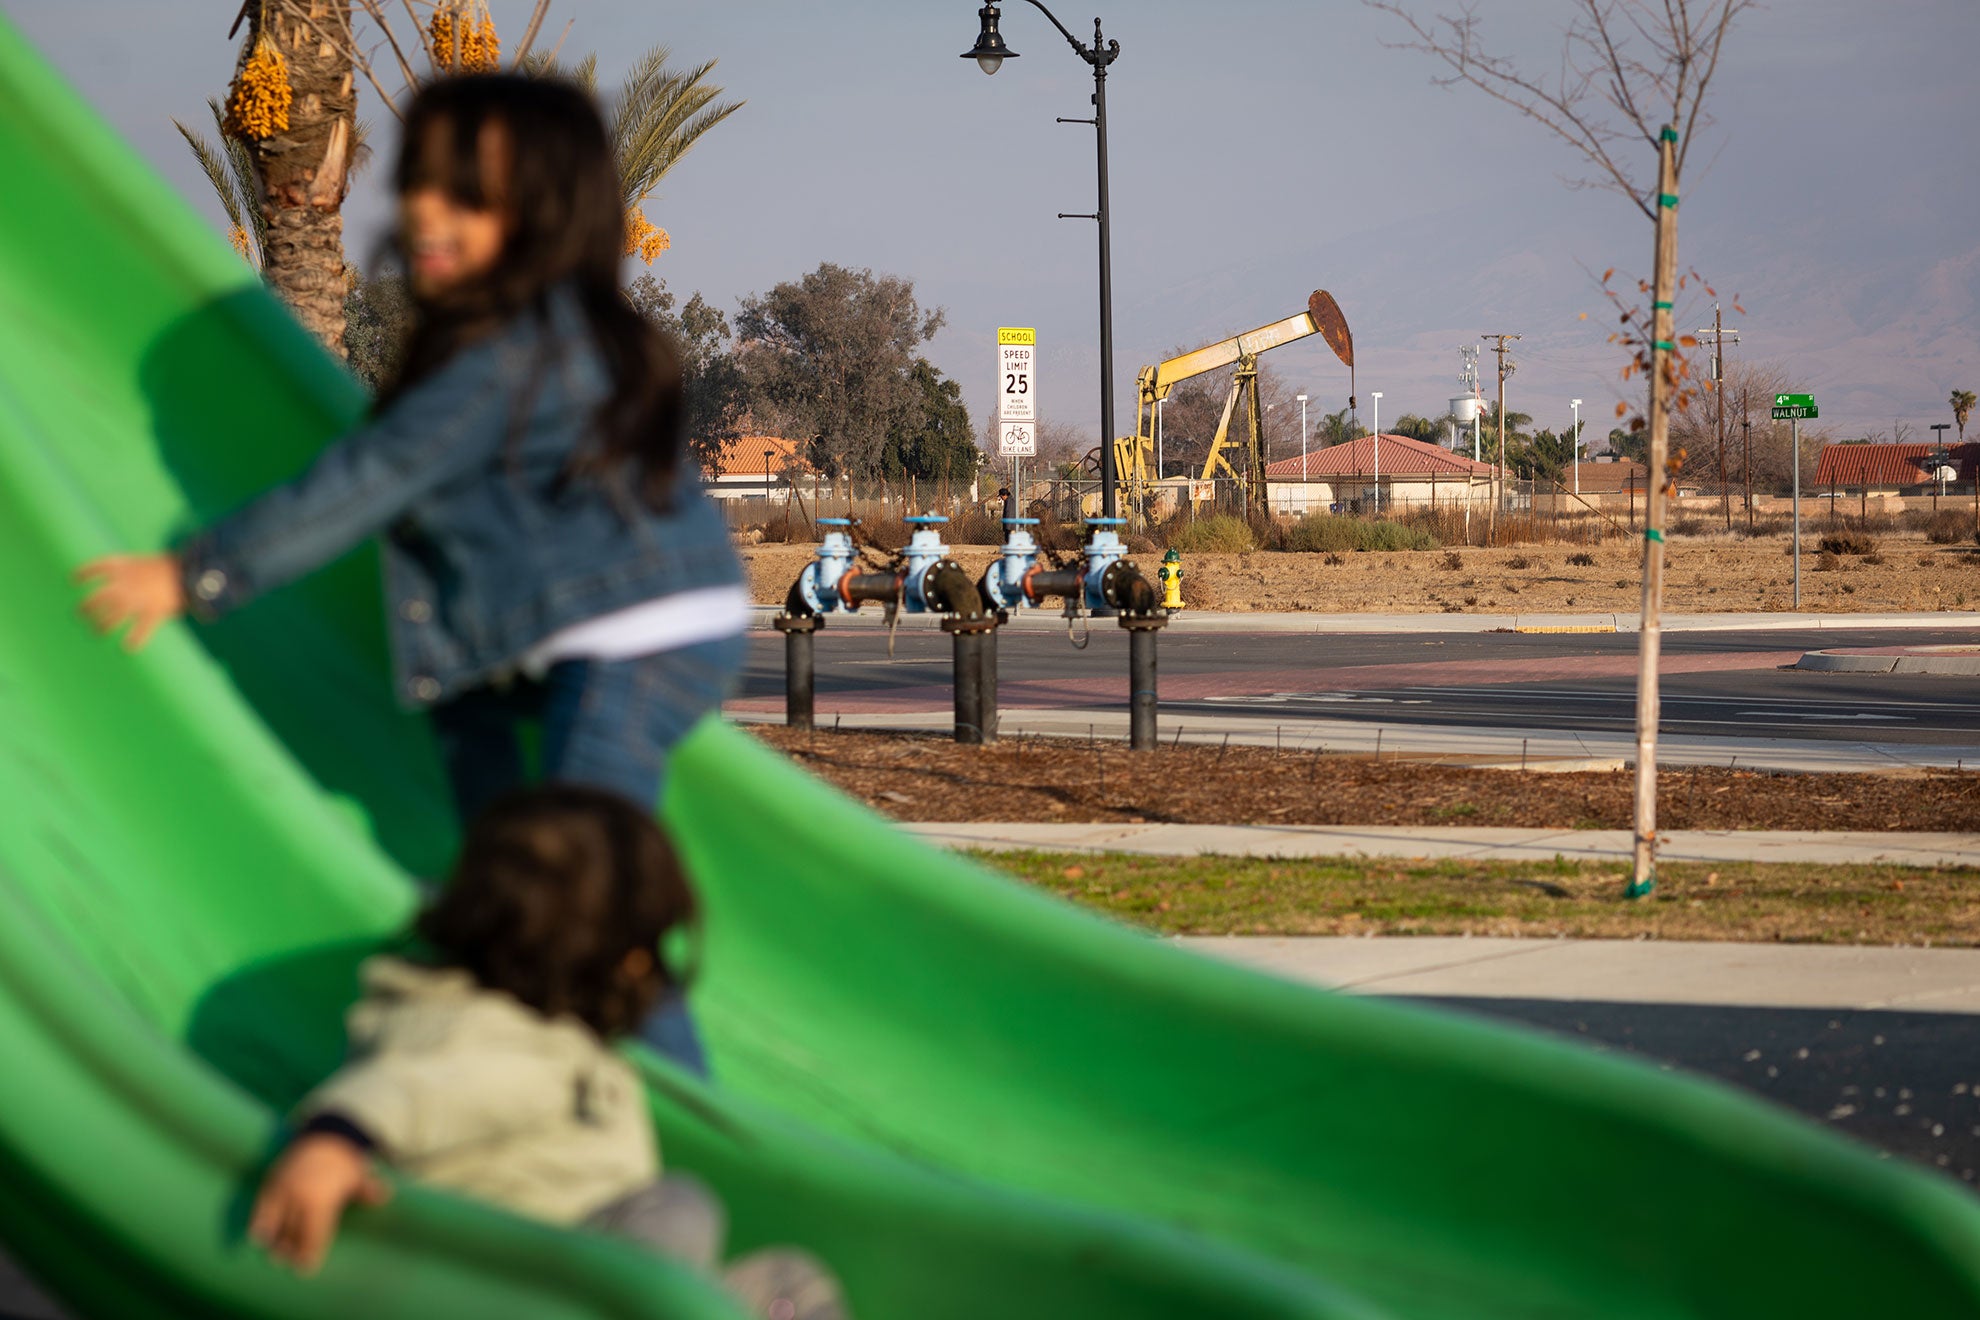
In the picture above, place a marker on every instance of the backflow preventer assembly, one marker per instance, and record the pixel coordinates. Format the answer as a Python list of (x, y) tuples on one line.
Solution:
[(921, 578)]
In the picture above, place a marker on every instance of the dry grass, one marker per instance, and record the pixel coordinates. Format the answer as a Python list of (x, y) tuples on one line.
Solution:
[(1576, 900)]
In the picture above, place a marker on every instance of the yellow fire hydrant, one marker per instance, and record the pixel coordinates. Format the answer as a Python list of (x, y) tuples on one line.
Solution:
[(1171, 575)]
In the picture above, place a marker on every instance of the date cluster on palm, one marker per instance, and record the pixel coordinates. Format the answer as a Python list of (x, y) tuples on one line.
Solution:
[(258, 102), (645, 239), (461, 37)]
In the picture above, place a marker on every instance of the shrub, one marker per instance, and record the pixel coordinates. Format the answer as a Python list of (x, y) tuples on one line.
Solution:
[(1827, 562), (1847, 543), (1327, 532), (1687, 527), (1453, 560), (1582, 560), (1335, 558), (1219, 535), (1949, 526), (1519, 561)]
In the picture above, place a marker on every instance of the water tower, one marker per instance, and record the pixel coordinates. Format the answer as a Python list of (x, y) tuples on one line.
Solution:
[(1466, 408)]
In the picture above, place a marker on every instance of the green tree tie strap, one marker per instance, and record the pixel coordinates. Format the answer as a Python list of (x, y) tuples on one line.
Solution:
[(1667, 199), (1660, 306), (1666, 345), (1669, 134), (1653, 534)]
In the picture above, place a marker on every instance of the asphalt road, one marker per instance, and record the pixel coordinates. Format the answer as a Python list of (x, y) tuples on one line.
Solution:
[(1581, 682), (1904, 1083)]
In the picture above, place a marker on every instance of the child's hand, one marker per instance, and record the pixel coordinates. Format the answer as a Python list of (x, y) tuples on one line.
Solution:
[(304, 1195), (141, 590)]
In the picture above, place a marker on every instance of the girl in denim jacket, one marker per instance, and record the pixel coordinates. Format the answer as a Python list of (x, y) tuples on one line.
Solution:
[(549, 555)]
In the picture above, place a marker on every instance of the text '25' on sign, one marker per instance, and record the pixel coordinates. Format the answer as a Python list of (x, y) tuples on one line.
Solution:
[(1017, 392)]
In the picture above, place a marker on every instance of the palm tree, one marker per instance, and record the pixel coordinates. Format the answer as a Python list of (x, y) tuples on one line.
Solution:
[(655, 117), (1962, 406), (230, 170), (293, 109)]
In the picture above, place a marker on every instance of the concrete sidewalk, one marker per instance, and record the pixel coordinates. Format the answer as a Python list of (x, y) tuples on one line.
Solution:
[(1210, 621), (1619, 971), (1482, 843)]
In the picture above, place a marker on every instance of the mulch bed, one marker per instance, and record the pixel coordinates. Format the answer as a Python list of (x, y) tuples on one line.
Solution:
[(917, 777)]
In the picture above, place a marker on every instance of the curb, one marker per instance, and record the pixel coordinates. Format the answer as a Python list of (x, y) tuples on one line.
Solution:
[(1963, 660), (1858, 847)]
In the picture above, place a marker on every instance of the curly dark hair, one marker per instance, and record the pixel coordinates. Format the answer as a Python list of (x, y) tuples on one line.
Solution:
[(556, 886)]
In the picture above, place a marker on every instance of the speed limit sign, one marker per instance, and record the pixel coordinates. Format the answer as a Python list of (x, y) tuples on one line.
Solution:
[(1017, 392)]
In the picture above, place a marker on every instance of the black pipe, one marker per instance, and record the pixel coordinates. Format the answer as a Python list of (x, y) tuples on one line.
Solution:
[(1055, 582), (987, 703), (1141, 685), (969, 685), (799, 684), (858, 587)]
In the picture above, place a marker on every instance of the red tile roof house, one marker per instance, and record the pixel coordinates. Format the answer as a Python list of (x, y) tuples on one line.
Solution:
[(1412, 473), (741, 471), (1867, 469)]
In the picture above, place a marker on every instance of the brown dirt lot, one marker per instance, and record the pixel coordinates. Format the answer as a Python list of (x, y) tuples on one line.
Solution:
[(1702, 575), (925, 778)]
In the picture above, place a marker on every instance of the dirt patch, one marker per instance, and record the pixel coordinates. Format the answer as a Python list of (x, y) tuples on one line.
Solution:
[(1702, 575), (915, 777)]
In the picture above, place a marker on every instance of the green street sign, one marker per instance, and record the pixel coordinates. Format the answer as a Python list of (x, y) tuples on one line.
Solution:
[(1797, 411), (1794, 401)]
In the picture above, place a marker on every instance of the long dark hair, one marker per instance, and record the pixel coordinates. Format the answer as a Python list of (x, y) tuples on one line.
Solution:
[(566, 221), (554, 887)]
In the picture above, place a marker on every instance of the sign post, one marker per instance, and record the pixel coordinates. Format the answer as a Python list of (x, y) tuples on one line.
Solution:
[(1791, 408), (1017, 396)]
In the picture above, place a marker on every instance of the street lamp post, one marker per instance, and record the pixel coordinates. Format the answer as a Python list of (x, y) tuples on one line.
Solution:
[(1377, 396), (1302, 453), (989, 53), (1574, 457)]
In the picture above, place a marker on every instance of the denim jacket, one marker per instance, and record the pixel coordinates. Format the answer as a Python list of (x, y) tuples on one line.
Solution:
[(490, 545)]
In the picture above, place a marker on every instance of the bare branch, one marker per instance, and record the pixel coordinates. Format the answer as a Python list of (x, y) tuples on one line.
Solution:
[(529, 33), (1626, 69), (377, 15), (551, 60)]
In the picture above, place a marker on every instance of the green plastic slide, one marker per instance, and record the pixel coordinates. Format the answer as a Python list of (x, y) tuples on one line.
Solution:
[(972, 1101)]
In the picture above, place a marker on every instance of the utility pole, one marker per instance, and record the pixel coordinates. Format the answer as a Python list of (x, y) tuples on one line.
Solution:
[(1505, 369), (1718, 335)]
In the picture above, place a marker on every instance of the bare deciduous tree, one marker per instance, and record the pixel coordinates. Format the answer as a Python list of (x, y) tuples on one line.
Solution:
[(1629, 71), (1627, 68)]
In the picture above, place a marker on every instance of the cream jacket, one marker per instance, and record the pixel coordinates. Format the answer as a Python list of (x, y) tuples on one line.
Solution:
[(467, 1089)]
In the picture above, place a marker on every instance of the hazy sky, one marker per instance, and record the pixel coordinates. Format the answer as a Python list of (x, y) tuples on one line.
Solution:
[(1261, 149)]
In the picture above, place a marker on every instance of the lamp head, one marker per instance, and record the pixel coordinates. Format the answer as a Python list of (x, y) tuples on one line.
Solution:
[(990, 51)]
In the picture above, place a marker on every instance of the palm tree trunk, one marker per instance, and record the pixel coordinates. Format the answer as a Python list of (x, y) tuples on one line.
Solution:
[(305, 170)]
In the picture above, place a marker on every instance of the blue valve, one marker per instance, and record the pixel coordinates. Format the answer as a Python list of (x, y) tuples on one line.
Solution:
[(1003, 582), (834, 558), (1103, 548)]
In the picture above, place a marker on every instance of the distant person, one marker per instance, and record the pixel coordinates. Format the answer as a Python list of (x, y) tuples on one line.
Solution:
[(480, 1059), (549, 554), (1010, 503)]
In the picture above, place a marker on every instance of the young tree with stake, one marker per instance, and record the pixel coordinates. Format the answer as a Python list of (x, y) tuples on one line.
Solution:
[(1632, 74)]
